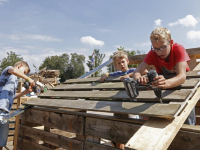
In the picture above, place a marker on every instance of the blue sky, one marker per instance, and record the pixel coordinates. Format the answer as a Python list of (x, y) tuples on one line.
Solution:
[(36, 29)]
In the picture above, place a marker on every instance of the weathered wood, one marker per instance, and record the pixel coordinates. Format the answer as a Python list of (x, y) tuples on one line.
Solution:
[(168, 95), (111, 130), (51, 138), (149, 109), (17, 117), (94, 146), (189, 83), (192, 63), (64, 122), (158, 133), (185, 141), (24, 144), (194, 74), (95, 79)]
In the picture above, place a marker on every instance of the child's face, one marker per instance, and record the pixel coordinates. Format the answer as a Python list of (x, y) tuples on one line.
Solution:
[(122, 64), (161, 48), (23, 69)]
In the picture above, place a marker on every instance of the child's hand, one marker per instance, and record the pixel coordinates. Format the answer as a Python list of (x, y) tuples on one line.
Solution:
[(143, 80), (160, 82), (123, 77), (32, 82), (103, 78)]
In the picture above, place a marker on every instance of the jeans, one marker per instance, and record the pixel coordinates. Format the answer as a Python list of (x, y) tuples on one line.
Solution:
[(4, 129), (191, 119)]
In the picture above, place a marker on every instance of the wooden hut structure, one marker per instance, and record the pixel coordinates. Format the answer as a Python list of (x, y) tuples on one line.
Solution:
[(78, 115)]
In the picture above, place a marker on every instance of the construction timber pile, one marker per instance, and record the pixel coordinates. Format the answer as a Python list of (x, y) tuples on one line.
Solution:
[(47, 78)]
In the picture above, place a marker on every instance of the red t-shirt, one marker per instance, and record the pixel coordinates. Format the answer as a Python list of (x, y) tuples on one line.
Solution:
[(177, 54)]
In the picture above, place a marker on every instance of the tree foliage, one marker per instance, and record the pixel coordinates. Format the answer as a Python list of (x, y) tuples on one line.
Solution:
[(69, 68), (75, 67), (10, 60), (98, 59)]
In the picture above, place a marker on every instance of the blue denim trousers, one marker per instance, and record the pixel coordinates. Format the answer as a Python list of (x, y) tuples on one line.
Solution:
[(191, 119), (4, 129)]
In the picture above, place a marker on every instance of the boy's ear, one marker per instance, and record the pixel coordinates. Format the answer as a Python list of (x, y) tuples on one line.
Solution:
[(171, 42), (127, 61)]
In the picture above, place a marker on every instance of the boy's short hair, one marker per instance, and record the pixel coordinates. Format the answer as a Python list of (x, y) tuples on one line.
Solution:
[(119, 54), (160, 33), (24, 64)]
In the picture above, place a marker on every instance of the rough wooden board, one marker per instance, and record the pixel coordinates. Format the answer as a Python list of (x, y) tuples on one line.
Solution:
[(95, 79), (190, 128), (23, 144), (158, 133), (51, 138), (111, 130), (185, 141), (95, 146), (55, 120), (168, 95), (189, 83), (149, 109), (195, 74)]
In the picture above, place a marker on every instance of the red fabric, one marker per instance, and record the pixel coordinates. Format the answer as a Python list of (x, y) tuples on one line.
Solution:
[(177, 54)]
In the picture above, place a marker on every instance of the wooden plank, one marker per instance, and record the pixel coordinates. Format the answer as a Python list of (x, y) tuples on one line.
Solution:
[(94, 146), (185, 141), (55, 120), (194, 74), (17, 117), (23, 144), (111, 130), (158, 133), (51, 138), (192, 63), (168, 95), (149, 109), (189, 83), (95, 79)]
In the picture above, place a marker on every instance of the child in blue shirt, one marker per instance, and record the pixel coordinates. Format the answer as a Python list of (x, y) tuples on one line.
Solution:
[(8, 85), (121, 61)]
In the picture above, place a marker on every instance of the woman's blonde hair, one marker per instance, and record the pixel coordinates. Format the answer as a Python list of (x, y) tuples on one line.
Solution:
[(24, 64), (119, 54), (160, 33)]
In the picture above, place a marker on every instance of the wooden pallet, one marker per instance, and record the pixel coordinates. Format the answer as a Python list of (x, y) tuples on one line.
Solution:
[(65, 107)]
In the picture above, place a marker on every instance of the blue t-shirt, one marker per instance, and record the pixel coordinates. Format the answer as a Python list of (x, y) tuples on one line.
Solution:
[(120, 73), (8, 85)]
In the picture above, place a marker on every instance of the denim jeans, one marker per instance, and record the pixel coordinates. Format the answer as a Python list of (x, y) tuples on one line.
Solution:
[(4, 129), (191, 119)]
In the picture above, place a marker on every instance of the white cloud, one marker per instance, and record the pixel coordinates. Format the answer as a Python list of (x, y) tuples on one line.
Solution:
[(189, 20), (92, 41), (144, 44), (193, 35), (35, 37), (158, 22)]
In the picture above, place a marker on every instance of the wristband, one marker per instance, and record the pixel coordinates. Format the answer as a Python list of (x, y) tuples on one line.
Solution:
[(28, 79)]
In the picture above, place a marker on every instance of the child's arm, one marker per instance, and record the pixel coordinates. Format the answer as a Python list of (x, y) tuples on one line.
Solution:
[(24, 92), (18, 73), (103, 77), (175, 81)]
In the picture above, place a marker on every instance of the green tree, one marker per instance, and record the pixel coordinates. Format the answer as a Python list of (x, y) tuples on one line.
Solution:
[(98, 59), (56, 63), (75, 67), (10, 60), (110, 67)]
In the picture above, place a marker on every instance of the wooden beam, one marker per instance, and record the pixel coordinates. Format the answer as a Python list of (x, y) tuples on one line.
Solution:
[(51, 138), (17, 117), (149, 109), (59, 121), (158, 133), (167, 95)]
